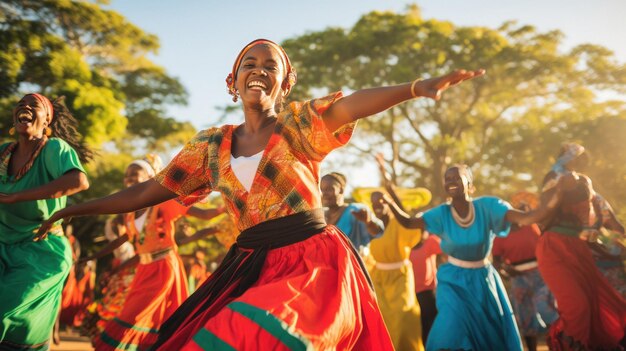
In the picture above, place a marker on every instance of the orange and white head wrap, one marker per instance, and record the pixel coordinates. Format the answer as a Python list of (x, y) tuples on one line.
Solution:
[(291, 76), (47, 104)]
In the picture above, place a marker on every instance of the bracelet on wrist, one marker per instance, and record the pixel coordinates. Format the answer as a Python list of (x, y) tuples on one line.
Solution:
[(413, 94)]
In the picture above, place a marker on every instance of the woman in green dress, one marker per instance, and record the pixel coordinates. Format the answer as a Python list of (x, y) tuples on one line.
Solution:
[(37, 173)]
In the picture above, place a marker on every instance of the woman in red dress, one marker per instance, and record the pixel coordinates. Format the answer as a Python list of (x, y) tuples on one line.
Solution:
[(290, 281)]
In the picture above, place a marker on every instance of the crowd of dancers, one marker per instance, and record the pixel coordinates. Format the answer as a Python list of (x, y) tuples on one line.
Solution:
[(307, 271)]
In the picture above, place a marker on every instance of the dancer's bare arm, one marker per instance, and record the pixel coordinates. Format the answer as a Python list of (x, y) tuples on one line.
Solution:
[(131, 199), (70, 183), (367, 102), (405, 220)]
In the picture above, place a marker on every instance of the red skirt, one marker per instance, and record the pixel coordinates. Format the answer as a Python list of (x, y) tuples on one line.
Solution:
[(591, 313), (76, 296), (156, 291), (310, 295)]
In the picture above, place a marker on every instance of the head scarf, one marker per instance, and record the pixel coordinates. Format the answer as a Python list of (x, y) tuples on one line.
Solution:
[(151, 164), (569, 152), (47, 104), (290, 71), (338, 177)]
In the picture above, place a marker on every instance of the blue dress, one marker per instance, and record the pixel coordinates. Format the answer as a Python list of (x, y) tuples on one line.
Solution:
[(354, 229), (474, 312)]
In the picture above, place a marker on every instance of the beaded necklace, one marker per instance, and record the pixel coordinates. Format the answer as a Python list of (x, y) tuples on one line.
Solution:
[(5, 159), (466, 221)]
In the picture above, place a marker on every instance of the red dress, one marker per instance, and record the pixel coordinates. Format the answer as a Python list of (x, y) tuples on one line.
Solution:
[(592, 314), (159, 285), (311, 294)]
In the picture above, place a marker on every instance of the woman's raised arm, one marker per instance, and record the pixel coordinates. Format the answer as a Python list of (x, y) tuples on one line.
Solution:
[(367, 102)]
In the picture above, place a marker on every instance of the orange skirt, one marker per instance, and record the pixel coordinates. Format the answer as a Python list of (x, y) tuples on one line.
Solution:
[(592, 315), (310, 295), (156, 291)]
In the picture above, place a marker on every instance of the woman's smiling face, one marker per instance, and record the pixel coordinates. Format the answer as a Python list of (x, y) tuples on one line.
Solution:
[(260, 76), (30, 116)]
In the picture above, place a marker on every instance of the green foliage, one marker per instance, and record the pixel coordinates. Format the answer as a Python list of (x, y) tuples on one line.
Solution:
[(506, 125), (100, 62)]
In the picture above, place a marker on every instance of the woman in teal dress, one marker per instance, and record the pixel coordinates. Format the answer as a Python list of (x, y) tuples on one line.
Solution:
[(37, 173), (474, 312)]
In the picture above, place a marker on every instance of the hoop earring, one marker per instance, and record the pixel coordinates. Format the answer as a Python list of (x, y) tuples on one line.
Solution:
[(47, 131), (12, 131)]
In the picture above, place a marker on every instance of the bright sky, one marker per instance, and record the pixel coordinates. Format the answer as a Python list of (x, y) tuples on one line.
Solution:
[(201, 38)]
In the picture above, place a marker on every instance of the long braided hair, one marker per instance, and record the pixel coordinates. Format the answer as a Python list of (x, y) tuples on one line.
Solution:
[(63, 126)]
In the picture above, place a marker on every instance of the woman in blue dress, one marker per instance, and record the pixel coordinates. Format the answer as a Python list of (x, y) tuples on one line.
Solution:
[(474, 311), (355, 220)]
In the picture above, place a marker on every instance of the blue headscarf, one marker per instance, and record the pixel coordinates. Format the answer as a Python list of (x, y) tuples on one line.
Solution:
[(569, 152)]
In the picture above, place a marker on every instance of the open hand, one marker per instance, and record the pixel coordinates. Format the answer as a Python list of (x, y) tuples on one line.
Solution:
[(42, 232), (434, 87), (362, 215)]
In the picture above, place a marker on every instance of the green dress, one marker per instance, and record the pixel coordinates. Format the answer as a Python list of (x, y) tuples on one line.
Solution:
[(32, 273)]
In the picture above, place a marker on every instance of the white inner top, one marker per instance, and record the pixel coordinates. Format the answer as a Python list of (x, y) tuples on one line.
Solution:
[(245, 168), (141, 221)]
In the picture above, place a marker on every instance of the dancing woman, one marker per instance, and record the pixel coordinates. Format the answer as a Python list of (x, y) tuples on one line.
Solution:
[(353, 219), (592, 315), (290, 280), (474, 312), (37, 173), (159, 285)]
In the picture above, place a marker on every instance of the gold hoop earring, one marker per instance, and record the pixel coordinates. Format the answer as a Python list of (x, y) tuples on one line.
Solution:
[(12, 131), (48, 131)]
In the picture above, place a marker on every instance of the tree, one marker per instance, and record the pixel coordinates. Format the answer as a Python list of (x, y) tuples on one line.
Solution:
[(100, 62), (101, 65), (506, 125)]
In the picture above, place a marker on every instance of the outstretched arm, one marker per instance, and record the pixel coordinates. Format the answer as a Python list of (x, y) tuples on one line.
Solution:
[(367, 102), (205, 214), (405, 220), (197, 235), (546, 208), (389, 184), (107, 249), (70, 183), (142, 195), (374, 226)]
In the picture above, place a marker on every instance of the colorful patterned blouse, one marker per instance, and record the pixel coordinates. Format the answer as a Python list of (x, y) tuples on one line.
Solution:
[(287, 179)]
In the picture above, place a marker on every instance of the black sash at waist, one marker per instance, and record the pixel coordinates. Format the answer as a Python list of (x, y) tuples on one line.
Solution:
[(242, 265), (282, 231)]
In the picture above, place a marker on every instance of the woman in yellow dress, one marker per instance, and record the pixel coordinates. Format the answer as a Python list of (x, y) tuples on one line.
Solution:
[(392, 274)]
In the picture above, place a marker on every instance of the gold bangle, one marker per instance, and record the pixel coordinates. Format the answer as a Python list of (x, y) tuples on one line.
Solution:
[(413, 87)]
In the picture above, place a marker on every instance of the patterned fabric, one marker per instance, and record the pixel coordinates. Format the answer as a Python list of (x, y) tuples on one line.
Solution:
[(287, 180), (532, 302), (110, 306), (309, 295)]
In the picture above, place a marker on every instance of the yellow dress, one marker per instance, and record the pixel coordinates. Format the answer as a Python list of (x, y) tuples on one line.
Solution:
[(394, 285)]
